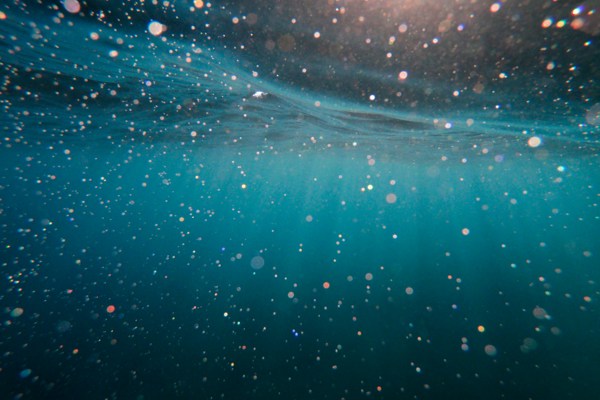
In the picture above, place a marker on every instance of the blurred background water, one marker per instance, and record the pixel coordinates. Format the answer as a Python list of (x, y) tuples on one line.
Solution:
[(310, 200)]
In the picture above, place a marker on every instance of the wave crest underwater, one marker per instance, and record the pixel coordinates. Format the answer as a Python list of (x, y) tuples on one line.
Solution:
[(382, 74)]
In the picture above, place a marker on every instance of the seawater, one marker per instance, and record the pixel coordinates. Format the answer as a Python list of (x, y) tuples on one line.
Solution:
[(180, 219)]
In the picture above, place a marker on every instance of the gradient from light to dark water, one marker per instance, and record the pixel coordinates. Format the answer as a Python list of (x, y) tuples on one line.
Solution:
[(238, 209)]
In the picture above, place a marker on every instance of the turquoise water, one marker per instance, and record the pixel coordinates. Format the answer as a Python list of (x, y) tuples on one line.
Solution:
[(191, 215)]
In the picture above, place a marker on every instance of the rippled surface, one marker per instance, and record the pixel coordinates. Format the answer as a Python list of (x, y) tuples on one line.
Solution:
[(314, 200)]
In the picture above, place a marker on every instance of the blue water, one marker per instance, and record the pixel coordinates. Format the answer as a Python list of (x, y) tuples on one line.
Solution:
[(236, 207)]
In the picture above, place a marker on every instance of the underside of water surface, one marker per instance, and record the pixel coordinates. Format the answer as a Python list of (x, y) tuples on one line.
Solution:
[(339, 199)]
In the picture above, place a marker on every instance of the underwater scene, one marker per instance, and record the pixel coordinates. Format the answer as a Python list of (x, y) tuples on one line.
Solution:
[(320, 199)]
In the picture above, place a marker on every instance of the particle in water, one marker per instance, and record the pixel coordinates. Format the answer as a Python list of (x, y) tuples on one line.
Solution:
[(63, 326), (465, 231), (540, 313), (391, 198), (156, 28), (529, 344), (16, 312), (110, 309), (72, 6), (534, 141), (555, 331), (409, 291), (490, 350), (260, 95), (25, 373), (257, 262), (592, 116)]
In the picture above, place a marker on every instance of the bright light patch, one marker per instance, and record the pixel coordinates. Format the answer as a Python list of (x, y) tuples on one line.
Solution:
[(577, 23), (156, 28), (72, 6), (534, 142)]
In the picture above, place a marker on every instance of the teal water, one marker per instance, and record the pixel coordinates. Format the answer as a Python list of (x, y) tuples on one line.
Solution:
[(209, 229)]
